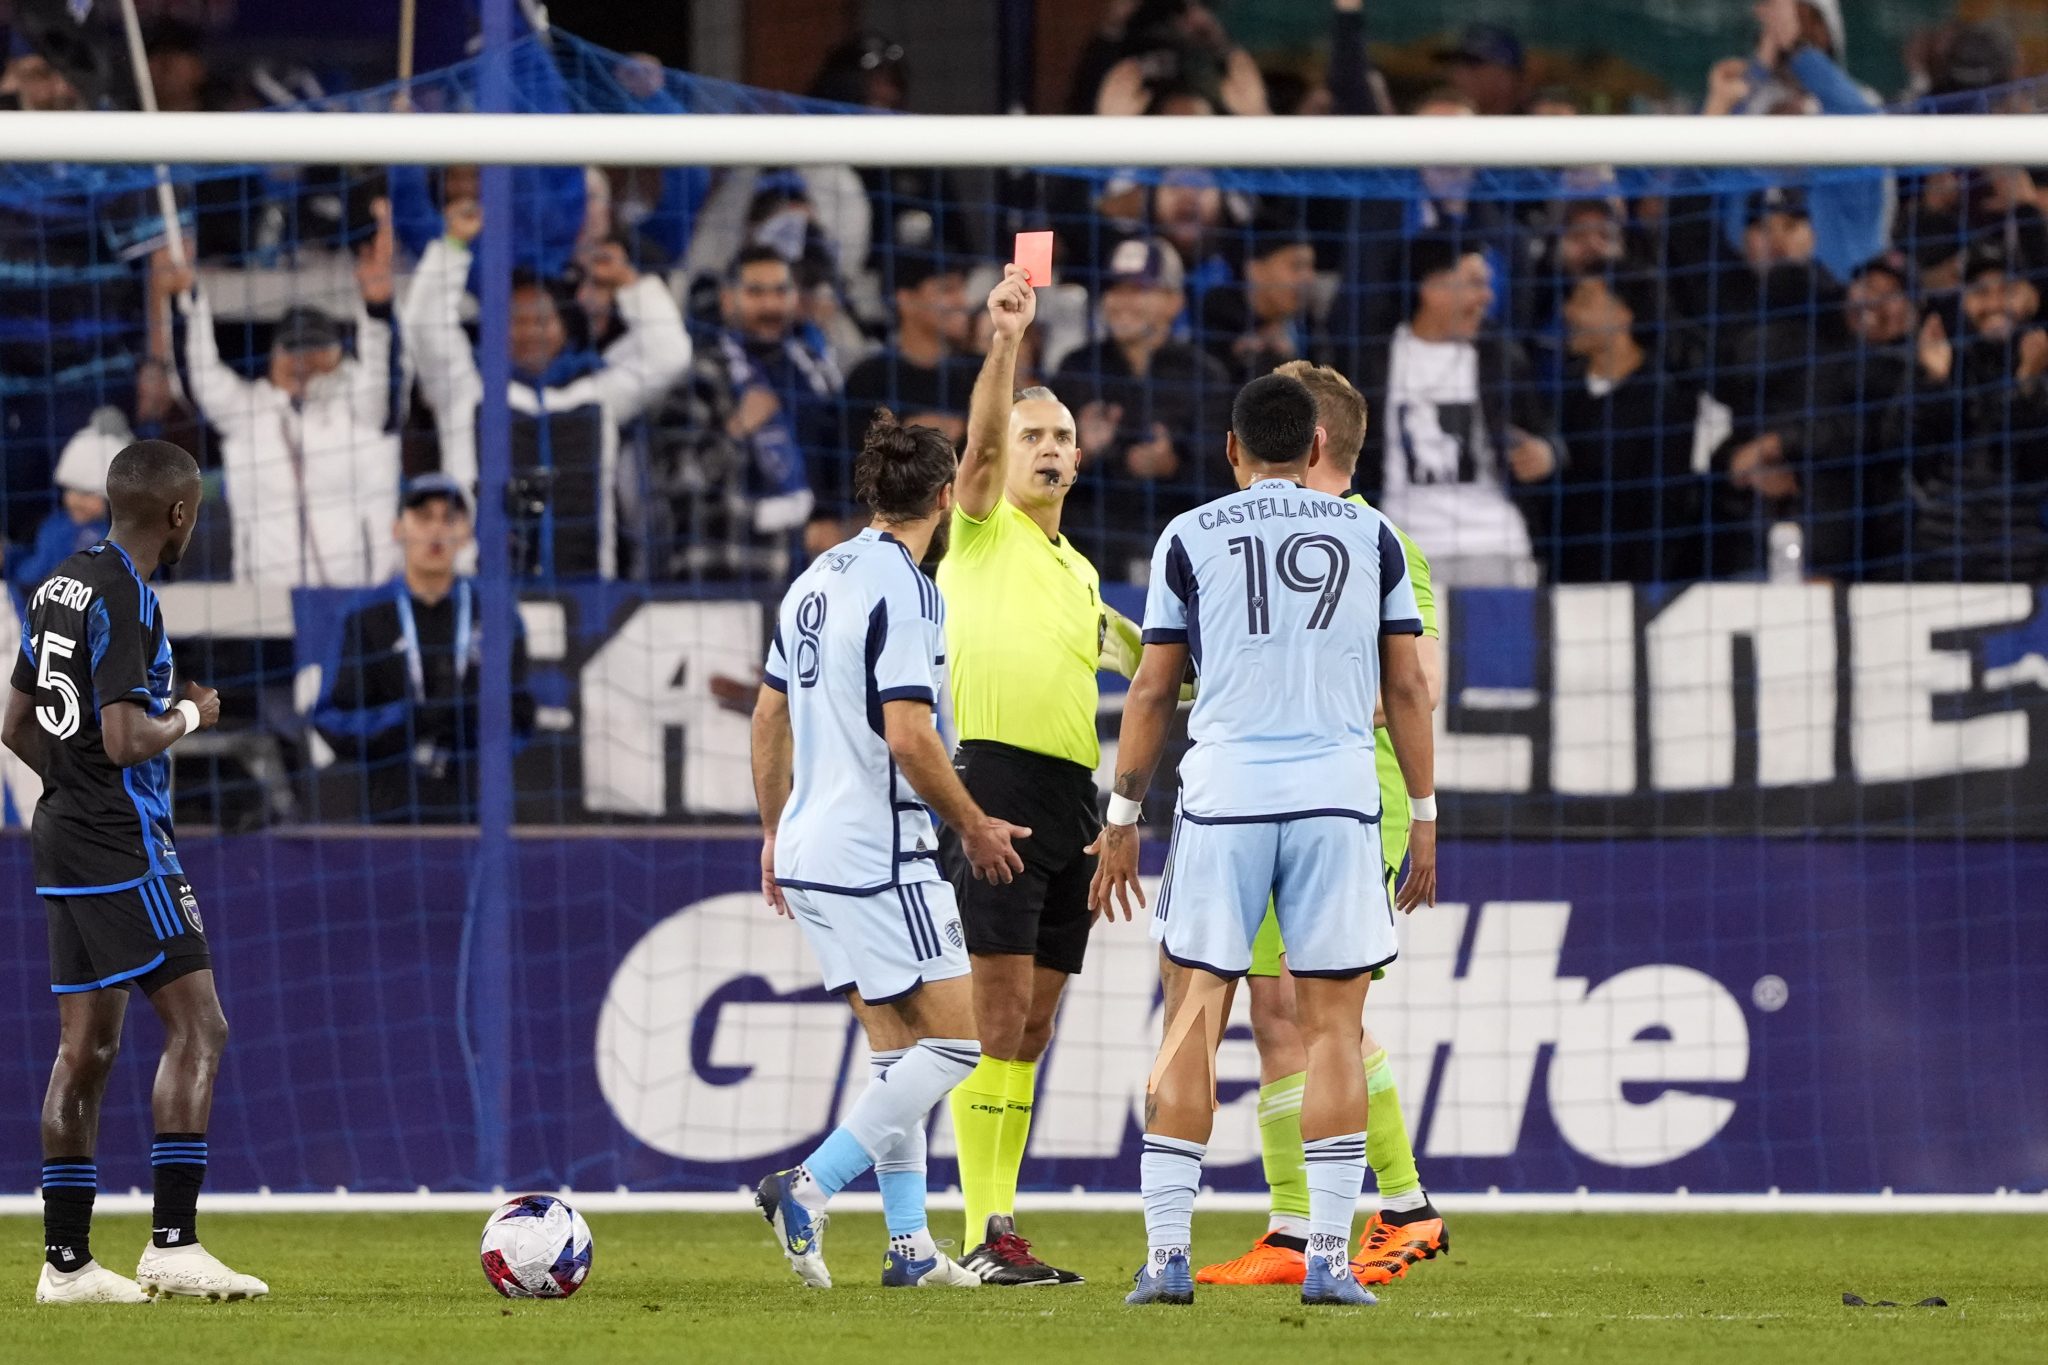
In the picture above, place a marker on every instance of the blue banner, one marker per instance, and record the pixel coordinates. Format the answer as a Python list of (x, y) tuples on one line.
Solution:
[(1720, 1014)]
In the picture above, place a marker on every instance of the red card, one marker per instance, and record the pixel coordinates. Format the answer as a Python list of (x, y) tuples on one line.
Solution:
[(1034, 253)]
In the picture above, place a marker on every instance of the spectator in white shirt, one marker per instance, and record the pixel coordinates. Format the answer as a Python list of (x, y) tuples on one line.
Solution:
[(1462, 427), (567, 402), (311, 472)]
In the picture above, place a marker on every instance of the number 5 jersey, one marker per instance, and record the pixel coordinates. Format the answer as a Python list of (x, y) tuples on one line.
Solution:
[(94, 637)]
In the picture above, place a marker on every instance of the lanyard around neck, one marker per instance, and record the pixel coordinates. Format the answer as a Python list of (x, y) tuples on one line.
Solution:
[(409, 639)]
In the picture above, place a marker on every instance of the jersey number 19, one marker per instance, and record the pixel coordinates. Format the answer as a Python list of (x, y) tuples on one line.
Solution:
[(1308, 563)]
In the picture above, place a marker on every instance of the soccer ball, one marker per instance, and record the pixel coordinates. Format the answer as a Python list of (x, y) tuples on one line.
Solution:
[(536, 1247)]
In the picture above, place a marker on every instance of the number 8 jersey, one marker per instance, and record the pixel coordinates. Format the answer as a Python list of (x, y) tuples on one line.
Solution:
[(94, 637), (861, 626), (1281, 595)]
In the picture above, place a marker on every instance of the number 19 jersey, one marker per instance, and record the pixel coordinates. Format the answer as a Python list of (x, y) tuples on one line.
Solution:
[(860, 627), (94, 637), (1281, 595)]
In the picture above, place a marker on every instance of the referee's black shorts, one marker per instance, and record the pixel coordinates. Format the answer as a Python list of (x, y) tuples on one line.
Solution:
[(1043, 913), (144, 937)]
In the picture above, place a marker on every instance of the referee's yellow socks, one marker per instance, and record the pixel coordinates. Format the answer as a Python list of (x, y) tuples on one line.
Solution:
[(1023, 1081), (979, 1105), (1387, 1149)]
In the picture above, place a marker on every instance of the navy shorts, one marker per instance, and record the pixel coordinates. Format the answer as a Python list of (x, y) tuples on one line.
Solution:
[(146, 936)]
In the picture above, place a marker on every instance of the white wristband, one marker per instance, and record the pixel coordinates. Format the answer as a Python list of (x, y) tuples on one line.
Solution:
[(1123, 810), (189, 709), (1422, 807)]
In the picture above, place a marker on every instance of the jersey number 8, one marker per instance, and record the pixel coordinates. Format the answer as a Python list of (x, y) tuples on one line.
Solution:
[(810, 623), (61, 721)]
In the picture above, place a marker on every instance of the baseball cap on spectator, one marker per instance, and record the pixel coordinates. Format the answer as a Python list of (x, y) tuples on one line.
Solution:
[(1485, 45), (305, 328), (1976, 57), (424, 488), (1786, 199), (1144, 260)]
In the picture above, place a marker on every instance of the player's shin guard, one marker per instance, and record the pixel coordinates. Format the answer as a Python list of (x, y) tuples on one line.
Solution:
[(1280, 1154), (1169, 1173), (899, 1170), (1387, 1148), (69, 1186), (1336, 1173), (980, 1106), (178, 1162)]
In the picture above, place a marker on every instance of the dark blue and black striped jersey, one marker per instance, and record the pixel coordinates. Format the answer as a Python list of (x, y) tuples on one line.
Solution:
[(94, 637)]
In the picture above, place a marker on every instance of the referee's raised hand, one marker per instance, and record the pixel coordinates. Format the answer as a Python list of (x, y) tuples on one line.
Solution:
[(987, 843), (1013, 303)]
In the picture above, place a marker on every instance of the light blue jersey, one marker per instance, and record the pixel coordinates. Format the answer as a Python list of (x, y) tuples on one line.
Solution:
[(1281, 595), (860, 627)]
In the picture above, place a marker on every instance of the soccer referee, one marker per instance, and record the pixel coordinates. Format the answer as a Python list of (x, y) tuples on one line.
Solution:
[(1024, 632)]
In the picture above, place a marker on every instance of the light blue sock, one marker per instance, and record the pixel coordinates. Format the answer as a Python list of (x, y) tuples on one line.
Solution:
[(837, 1163), (900, 1169), (1336, 1174), (1169, 1173)]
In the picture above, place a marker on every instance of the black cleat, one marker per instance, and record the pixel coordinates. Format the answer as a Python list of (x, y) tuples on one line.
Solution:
[(1006, 1259)]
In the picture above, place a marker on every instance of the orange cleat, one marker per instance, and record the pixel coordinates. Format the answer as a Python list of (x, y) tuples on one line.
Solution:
[(1266, 1263), (1387, 1249)]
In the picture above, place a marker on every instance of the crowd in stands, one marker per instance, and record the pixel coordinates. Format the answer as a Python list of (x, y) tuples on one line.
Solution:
[(1581, 383)]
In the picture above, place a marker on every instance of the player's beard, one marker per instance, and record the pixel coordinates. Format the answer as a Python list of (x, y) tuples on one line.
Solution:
[(942, 535)]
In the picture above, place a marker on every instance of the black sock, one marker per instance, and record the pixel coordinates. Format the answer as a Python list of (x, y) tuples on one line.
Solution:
[(69, 1184), (1398, 1217), (179, 1161), (1281, 1239)]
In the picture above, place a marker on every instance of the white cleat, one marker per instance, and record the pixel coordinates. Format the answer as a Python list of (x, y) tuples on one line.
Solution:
[(949, 1274), (92, 1283), (193, 1272)]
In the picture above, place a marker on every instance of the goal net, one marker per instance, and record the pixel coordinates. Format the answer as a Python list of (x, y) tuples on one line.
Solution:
[(1732, 479)]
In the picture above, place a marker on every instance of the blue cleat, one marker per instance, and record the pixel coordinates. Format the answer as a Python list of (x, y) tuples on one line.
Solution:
[(801, 1232), (1325, 1285), (937, 1271), (1174, 1283)]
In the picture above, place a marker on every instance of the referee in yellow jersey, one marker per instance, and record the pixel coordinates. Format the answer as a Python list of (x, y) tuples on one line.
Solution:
[(1024, 632)]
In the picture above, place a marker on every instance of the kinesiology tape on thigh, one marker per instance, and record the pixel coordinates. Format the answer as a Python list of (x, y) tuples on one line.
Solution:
[(1205, 1002)]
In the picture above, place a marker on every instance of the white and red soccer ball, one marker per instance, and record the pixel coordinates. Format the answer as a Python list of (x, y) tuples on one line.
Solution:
[(536, 1247)]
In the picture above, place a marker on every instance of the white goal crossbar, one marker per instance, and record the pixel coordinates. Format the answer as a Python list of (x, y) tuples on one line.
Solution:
[(1023, 140)]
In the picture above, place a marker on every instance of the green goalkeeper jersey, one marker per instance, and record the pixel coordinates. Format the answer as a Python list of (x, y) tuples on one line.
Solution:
[(1393, 790)]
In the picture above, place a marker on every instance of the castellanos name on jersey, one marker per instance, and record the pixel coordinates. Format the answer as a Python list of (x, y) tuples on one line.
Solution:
[(860, 627), (1281, 595)]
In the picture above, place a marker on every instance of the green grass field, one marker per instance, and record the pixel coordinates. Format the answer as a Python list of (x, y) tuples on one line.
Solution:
[(673, 1287)]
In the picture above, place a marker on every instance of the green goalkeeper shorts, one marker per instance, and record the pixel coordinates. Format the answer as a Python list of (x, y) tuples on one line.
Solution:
[(1267, 949)]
